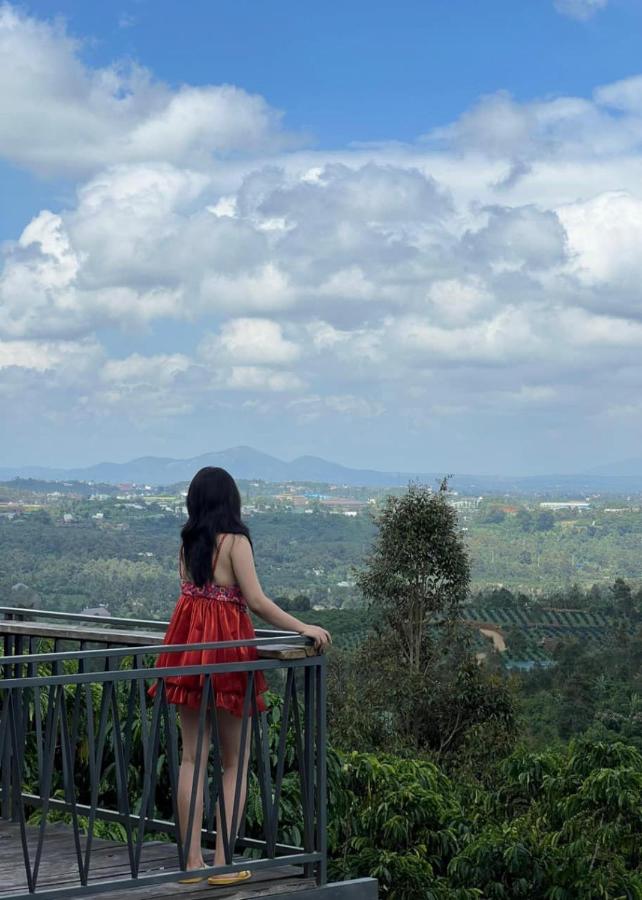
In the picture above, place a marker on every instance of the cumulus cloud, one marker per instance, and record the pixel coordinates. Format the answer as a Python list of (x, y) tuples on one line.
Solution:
[(44, 291), (137, 370), (250, 341), (561, 129), (605, 237), (71, 359), (60, 116), (492, 267)]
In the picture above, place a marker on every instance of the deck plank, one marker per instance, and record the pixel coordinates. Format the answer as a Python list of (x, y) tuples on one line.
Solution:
[(110, 860)]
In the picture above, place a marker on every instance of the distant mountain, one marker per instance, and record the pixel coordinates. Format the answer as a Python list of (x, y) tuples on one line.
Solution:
[(627, 468), (245, 462), (241, 462)]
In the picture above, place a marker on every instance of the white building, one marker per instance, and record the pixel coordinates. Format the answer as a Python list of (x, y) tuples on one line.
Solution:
[(565, 504)]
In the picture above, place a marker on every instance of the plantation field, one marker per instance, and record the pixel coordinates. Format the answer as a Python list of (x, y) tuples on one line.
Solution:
[(593, 549), (530, 635)]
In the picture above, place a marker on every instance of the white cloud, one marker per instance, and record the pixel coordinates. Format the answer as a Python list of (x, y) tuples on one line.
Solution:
[(624, 95), (260, 378), (605, 239), (136, 369), (573, 129), (494, 266), (265, 287), (580, 9), (244, 340), (59, 116), (314, 407), (46, 289), (455, 301), (72, 358), (504, 338)]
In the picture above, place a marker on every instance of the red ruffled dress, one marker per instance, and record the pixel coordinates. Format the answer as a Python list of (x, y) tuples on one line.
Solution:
[(211, 613)]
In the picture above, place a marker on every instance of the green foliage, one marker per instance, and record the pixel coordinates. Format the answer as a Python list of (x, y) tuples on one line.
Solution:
[(426, 789), (414, 684), (398, 820), (561, 823), (128, 560), (493, 515), (545, 521), (418, 567), (554, 825)]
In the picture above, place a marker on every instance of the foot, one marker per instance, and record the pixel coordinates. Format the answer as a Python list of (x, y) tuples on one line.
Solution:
[(192, 864), (230, 877)]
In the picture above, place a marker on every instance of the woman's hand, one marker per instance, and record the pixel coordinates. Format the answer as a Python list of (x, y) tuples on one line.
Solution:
[(321, 636)]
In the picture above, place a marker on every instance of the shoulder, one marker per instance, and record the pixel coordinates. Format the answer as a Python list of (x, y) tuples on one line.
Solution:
[(241, 549)]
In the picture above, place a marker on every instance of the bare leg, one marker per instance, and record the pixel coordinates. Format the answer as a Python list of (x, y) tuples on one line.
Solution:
[(229, 730), (189, 733)]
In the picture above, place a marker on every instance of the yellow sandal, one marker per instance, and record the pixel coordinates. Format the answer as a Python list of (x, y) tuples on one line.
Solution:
[(229, 877), (191, 880)]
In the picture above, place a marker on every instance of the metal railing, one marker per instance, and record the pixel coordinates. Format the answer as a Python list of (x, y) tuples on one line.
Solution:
[(82, 739)]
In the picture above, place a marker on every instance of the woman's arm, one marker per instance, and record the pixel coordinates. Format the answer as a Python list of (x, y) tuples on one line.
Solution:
[(243, 565)]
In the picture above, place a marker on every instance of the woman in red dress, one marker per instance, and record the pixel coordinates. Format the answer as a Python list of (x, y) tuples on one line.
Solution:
[(218, 584)]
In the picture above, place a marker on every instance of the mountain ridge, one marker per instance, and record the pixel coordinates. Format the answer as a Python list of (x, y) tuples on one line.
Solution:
[(242, 461), (245, 462), (625, 468)]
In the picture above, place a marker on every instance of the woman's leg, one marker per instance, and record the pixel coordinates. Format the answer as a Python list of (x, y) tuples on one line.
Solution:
[(189, 733), (229, 731)]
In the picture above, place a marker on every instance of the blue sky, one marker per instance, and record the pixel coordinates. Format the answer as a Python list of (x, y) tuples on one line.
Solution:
[(364, 71), (403, 236)]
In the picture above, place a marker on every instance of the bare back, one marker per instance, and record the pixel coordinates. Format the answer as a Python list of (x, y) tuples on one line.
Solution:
[(222, 568)]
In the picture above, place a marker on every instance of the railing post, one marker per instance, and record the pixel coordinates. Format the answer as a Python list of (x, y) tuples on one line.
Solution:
[(321, 779), (5, 766), (308, 757)]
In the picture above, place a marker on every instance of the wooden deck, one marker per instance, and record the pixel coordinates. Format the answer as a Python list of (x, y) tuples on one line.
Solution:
[(109, 860)]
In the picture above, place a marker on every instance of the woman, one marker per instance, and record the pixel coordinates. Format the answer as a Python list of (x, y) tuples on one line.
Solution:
[(218, 583)]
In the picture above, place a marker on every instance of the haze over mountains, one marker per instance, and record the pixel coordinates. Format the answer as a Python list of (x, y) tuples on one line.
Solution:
[(246, 462), (242, 462), (627, 468)]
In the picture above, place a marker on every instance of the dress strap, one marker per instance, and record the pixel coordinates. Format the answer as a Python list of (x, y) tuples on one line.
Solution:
[(218, 550)]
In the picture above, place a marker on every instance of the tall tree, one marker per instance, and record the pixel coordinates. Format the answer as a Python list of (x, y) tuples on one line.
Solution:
[(418, 570), (414, 683)]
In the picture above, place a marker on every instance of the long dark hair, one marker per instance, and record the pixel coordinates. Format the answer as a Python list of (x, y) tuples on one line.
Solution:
[(213, 506)]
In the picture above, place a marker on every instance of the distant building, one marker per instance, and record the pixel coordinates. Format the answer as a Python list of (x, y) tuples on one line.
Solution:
[(465, 502), (342, 503), (565, 504), (100, 610)]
